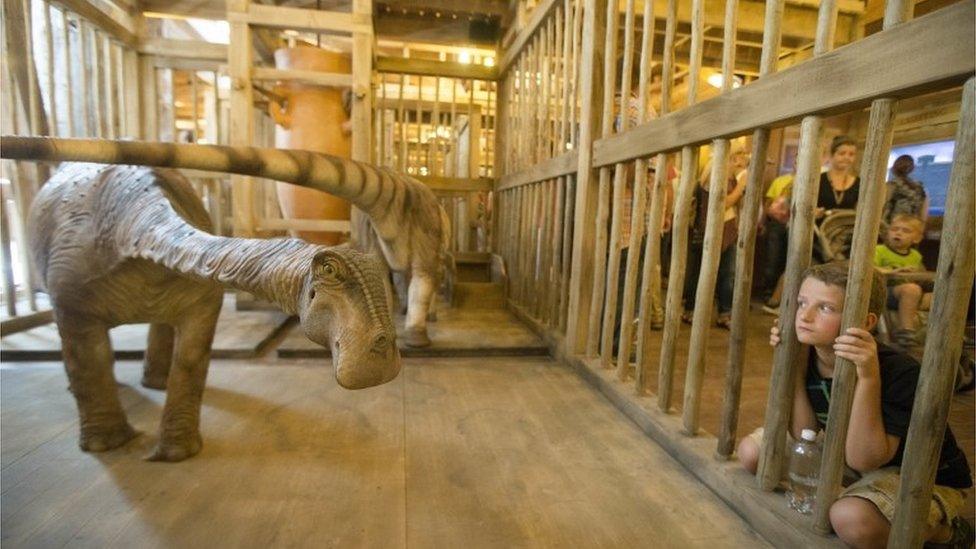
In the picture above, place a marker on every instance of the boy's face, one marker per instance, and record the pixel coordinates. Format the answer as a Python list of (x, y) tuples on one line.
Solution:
[(902, 235), (818, 312)]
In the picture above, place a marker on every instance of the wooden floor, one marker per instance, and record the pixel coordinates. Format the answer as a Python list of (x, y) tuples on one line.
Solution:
[(455, 452)]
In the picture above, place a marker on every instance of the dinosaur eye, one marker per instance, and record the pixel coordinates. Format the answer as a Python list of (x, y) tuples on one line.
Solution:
[(330, 269), (311, 295)]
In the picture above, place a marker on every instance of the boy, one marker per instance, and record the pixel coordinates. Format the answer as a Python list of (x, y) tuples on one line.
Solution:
[(882, 407), (897, 255)]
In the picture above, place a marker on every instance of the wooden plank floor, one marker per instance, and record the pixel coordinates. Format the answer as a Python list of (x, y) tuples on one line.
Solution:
[(456, 452)]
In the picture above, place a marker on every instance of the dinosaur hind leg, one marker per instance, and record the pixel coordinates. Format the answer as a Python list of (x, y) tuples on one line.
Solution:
[(159, 356), (421, 292), (179, 433), (88, 360)]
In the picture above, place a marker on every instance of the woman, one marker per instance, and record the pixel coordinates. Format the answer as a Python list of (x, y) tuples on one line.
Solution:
[(905, 195), (839, 187), (724, 287)]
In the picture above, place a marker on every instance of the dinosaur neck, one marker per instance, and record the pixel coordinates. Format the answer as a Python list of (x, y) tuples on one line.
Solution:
[(273, 269), (370, 189)]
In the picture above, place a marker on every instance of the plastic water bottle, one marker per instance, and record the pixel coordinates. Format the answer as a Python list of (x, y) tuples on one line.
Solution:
[(804, 472)]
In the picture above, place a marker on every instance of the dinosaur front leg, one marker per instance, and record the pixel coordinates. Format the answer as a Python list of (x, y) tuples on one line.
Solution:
[(179, 433), (159, 356), (421, 291), (88, 360)]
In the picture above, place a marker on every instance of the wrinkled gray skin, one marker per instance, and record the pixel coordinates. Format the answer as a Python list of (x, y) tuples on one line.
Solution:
[(403, 220), (125, 244)]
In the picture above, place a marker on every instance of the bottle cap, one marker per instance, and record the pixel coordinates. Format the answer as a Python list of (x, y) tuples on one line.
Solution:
[(809, 435)]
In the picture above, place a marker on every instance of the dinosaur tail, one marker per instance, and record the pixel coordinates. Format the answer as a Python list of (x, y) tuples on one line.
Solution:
[(364, 185)]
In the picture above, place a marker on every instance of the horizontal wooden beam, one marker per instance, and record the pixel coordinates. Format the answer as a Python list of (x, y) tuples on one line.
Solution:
[(313, 78), (931, 53), (538, 16), (496, 8), (181, 64), (184, 49), (552, 168), (323, 225), (457, 184), (106, 16), (427, 67), (25, 322), (411, 105), (299, 19)]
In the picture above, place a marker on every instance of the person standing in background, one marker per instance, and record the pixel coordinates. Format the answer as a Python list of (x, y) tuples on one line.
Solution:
[(905, 195)]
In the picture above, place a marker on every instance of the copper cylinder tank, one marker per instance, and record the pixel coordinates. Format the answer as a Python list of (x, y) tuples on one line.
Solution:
[(312, 119)]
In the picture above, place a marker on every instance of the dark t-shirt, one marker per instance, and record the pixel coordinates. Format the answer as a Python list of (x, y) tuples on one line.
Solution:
[(827, 200), (899, 377)]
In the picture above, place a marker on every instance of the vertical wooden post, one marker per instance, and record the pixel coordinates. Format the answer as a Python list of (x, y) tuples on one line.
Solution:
[(780, 399), (712, 247), (402, 126), (584, 232), (149, 102), (943, 344), (436, 122), (874, 168), (746, 245), (242, 116), (6, 256), (362, 67), (108, 85), (651, 275), (66, 47), (637, 213), (131, 85), (619, 188), (49, 45), (679, 231), (599, 256)]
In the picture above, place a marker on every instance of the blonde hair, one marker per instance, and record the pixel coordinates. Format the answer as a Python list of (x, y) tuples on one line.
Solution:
[(910, 219)]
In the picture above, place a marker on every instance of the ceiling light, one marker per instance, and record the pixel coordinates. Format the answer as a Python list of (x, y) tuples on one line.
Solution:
[(464, 57)]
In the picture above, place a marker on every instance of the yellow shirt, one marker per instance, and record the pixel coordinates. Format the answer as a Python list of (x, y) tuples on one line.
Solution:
[(779, 186)]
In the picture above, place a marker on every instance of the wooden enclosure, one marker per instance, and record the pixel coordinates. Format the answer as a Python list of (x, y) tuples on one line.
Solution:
[(573, 156)]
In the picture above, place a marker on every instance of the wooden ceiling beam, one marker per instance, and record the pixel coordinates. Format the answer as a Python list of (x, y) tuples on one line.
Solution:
[(491, 8)]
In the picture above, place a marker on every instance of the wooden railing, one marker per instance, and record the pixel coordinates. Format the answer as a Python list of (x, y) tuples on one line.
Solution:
[(560, 213)]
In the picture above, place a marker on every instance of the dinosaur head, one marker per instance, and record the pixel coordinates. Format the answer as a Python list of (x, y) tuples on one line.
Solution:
[(346, 306)]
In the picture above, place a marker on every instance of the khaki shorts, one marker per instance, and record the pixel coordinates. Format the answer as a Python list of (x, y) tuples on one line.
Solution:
[(880, 487)]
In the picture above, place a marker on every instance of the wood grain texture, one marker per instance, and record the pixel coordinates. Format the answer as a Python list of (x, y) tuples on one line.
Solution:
[(785, 97), (947, 320)]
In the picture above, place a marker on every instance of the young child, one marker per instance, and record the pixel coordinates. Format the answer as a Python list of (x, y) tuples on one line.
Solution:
[(897, 255), (883, 397)]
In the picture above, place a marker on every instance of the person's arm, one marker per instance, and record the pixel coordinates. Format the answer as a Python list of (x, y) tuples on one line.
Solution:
[(732, 198), (868, 446)]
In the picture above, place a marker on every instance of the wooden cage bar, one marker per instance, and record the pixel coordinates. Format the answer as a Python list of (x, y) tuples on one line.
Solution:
[(638, 206), (679, 238), (711, 251), (599, 256), (869, 209), (616, 206), (651, 275), (953, 288), (783, 377), (746, 245)]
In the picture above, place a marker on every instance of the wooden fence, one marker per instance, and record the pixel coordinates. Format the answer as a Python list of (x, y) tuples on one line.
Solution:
[(574, 173)]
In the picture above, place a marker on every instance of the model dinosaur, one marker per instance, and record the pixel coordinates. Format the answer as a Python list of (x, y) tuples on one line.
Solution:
[(405, 224), (125, 244)]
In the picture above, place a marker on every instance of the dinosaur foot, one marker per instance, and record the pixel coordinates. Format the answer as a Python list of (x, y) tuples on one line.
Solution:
[(102, 440), (154, 382), (176, 449), (416, 337)]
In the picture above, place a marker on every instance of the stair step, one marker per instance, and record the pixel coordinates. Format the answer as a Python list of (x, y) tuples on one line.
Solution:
[(479, 295)]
